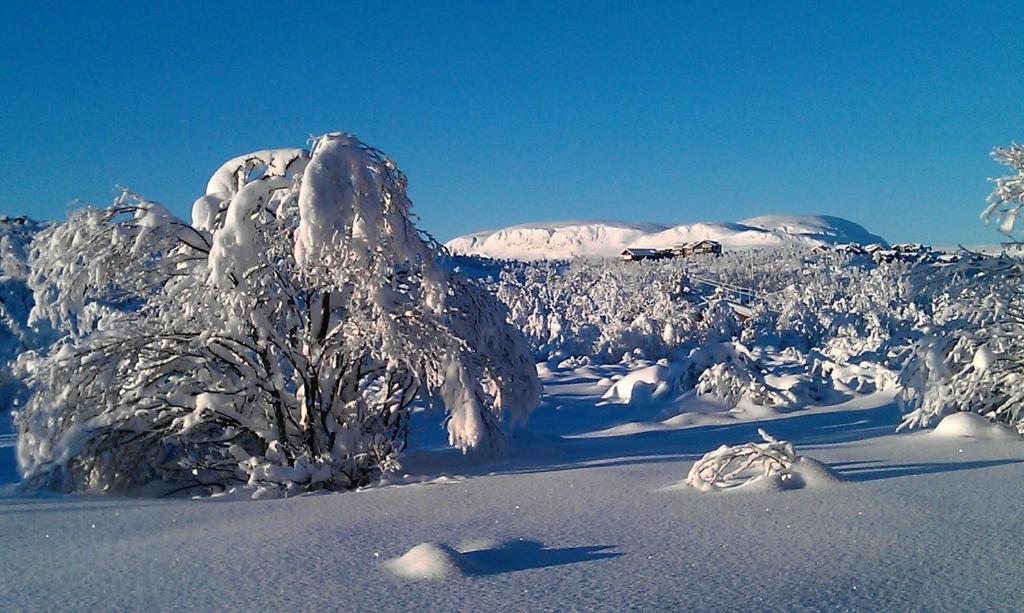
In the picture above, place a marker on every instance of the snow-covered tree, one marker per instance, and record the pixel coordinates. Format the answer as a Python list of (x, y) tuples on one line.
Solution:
[(280, 340), (1007, 196), (972, 358), (17, 334)]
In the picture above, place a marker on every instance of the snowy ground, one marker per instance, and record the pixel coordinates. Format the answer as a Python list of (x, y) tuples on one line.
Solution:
[(571, 520)]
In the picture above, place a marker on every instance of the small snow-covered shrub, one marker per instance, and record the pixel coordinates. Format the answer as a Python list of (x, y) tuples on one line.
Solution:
[(731, 382), (280, 340), (966, 369), (729, 373), (735, 466)]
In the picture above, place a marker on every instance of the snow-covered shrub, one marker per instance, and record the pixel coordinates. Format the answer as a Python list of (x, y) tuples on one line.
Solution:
[(731, 382), (771, 460), (280, 340), (728, 373), (973, 357), (737, 465)]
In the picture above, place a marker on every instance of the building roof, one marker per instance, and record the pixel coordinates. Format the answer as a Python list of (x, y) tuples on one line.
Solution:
[(705, 241), (642, 251)]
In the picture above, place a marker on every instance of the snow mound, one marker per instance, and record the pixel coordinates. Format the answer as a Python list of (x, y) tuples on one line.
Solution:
[(804, 473), (562, 240), (641, 386), (426, 561), (972, 425)]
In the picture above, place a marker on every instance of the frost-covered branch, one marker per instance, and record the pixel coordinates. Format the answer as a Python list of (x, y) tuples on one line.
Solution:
[(1007, 196)]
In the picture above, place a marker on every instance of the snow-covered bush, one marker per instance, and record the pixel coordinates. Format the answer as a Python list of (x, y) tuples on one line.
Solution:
[(728, 373), (737, 465), (973, 357), (771, 460), (280, 340)]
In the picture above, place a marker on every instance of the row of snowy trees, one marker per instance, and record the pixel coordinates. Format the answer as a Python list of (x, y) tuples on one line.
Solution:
[(280, 340), (844, 306)]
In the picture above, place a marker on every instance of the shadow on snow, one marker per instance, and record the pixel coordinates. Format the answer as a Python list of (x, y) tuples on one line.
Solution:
[(517, 555), (533, 450), (891, 471)]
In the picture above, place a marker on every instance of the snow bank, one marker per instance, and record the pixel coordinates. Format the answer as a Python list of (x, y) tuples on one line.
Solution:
[(641, 386), (972, 425)]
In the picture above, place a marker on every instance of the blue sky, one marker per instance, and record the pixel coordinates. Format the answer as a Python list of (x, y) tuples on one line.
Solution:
[(504, 113)]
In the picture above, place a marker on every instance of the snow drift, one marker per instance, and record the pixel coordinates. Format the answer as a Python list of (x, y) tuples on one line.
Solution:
[(561, 240)]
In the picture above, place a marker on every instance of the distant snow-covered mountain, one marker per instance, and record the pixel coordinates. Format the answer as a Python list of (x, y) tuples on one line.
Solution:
[(557, 240)]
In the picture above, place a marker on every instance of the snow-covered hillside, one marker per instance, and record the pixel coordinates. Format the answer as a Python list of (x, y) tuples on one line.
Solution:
[(557, 240)]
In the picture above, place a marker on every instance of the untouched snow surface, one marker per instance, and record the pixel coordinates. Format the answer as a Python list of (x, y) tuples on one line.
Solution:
[(559, 240), (568, 521)]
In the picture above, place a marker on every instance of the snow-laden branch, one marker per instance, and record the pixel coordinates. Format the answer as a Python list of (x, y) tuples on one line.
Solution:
[(1007, 196)]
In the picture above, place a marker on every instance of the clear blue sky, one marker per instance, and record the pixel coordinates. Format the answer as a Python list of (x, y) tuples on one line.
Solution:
[(504, 113)]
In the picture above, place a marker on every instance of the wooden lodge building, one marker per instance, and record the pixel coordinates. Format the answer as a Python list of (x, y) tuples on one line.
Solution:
[(683, 250)]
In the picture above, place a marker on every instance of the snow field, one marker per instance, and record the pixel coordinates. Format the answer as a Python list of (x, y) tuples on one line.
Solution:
[(561, 523)]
